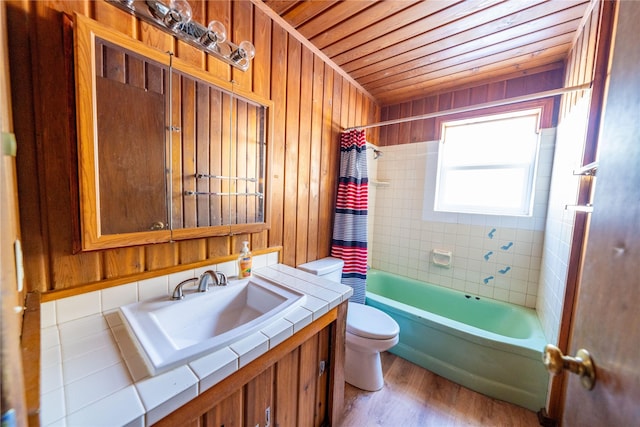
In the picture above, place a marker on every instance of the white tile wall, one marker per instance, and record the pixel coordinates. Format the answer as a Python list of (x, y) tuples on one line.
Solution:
[(493, 256), (559, 225), (374, 183)]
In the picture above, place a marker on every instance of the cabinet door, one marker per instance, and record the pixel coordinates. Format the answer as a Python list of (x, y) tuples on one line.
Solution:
[(131, 153), (286, 399), (322, 386), (121, 102), (227, 413), (258, 400)]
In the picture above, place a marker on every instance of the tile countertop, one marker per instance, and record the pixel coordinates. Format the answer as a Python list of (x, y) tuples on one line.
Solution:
[(92, 374)]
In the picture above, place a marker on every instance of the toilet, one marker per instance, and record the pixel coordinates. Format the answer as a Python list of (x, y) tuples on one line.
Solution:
[(369, 332)]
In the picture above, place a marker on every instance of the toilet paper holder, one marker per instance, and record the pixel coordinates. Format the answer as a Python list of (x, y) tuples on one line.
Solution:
[(441, 258)]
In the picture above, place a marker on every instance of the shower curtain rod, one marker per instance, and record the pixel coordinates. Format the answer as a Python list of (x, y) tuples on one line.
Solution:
[(507, 101)]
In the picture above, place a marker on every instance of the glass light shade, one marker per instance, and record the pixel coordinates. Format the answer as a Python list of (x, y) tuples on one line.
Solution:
[(183, 8), (249, 50), (244, 52), (217, 28), (215, 34)]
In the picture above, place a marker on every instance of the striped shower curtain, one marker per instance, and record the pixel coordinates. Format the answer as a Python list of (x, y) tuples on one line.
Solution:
[(350, 227)]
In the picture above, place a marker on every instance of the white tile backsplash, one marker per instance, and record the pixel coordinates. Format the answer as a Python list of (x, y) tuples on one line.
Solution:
[(153, 288), (78, 306), (230, 268), (176, 278), (115, 297), (48, 315)]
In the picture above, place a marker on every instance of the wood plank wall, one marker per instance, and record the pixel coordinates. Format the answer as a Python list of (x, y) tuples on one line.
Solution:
[(312, 101), (532, 81)]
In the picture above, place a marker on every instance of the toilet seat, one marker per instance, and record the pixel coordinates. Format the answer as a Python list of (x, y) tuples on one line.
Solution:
[(371, 323)]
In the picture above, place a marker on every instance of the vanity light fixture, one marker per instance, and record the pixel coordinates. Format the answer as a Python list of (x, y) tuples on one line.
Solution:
[(174, 17)]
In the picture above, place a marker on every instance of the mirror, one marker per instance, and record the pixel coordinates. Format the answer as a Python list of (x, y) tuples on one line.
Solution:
[(165, 150)]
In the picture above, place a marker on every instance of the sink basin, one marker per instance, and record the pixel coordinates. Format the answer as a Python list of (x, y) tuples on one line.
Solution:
[(171, 333)]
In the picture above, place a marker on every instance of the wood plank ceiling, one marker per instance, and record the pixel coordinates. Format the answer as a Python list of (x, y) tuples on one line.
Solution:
[(401, 50)]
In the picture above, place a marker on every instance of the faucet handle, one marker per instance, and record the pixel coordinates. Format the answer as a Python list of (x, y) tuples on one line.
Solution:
[(178, 294), (221, 278)]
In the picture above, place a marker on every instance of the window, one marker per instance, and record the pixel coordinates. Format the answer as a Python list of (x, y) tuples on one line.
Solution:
[(487, 165)]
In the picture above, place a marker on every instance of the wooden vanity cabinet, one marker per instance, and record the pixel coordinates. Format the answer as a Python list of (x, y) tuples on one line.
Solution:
[(299, 383)]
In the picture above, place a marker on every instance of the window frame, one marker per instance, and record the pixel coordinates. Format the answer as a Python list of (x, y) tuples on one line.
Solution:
[(529, 168)]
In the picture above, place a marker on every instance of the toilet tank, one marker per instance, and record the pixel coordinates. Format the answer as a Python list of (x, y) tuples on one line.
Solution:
[(329, 268)]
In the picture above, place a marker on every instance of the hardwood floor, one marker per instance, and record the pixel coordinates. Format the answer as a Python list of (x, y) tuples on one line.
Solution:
[(413, 396)]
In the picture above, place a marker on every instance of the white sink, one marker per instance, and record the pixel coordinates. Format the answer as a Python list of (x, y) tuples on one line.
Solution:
[(171, 333)]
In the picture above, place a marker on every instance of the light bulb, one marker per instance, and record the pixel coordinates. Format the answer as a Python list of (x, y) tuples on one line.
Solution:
[(179, 13), (249, 49), (244, 52), (216, 33), (183, 8), (217, 28)]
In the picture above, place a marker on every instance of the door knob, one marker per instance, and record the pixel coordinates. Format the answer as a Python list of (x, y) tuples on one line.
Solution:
[(582, 364)]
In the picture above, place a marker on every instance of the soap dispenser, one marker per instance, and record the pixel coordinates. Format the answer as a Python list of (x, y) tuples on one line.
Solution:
[(244, 261)]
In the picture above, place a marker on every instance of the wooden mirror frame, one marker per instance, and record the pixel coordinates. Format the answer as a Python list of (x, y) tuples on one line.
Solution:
[(86, 31)]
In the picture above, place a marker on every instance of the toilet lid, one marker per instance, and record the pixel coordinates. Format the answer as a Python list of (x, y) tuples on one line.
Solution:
[(369, 322)]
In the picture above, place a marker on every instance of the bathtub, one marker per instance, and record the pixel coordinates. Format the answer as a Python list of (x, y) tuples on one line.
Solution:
[(489, 346)]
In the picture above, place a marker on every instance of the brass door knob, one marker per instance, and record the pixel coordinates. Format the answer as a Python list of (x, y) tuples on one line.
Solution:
[(581, 364)]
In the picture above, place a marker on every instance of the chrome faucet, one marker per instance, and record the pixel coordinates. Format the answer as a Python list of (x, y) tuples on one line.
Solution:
[(204, 281), (218, 278)]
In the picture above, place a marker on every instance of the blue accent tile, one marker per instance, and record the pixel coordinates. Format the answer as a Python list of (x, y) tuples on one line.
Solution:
[(486, 279), (504, 270), (507, 246)]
